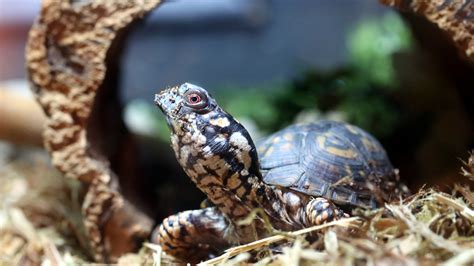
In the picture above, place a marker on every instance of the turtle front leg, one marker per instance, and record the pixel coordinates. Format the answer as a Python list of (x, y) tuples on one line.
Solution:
[(320, 210), (192, 235)]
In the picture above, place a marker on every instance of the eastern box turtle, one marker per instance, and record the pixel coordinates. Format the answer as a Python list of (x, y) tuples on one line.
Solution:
[(307, 174)]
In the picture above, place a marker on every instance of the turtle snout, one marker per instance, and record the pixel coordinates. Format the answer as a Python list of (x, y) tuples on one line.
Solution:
[(166, 103), (159, 102)]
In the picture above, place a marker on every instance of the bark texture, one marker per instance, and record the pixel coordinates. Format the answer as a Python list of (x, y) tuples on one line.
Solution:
[(66, 58), (455, 17)]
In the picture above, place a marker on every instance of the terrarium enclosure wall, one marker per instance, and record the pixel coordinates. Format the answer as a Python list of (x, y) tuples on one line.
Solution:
[(402, 70)]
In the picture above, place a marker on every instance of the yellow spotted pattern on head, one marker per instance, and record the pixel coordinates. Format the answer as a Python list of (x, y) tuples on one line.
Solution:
[(220, 122)]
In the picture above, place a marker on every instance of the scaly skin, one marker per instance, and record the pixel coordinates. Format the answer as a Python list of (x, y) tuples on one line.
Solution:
[(218, 154), (196, 233)]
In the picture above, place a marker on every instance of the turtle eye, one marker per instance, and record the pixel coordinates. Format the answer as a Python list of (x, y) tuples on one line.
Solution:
[(196, 100)]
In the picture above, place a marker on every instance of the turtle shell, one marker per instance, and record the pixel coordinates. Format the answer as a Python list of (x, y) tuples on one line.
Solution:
[(330, 159)]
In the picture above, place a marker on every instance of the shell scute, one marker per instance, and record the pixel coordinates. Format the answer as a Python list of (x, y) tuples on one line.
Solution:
[(279, 151)]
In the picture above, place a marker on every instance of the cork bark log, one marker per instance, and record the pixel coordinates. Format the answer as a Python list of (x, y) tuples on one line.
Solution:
[(67, 53)]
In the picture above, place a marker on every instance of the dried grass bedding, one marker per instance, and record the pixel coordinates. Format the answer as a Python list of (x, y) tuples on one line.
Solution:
[(40, 223)]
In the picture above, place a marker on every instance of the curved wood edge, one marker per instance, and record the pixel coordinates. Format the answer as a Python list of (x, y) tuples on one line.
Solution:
[(454, 17), (66, 54)]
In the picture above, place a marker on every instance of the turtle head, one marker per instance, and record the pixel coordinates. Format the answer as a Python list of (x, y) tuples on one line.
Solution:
[(206, 140), (182, 104)]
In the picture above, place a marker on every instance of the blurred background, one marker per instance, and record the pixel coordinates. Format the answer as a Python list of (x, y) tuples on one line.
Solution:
[(270, 63)]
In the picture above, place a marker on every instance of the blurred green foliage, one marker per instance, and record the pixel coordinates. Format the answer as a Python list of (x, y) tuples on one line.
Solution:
[(372, 44), (362, 90), (144, 118), (253, 103)]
